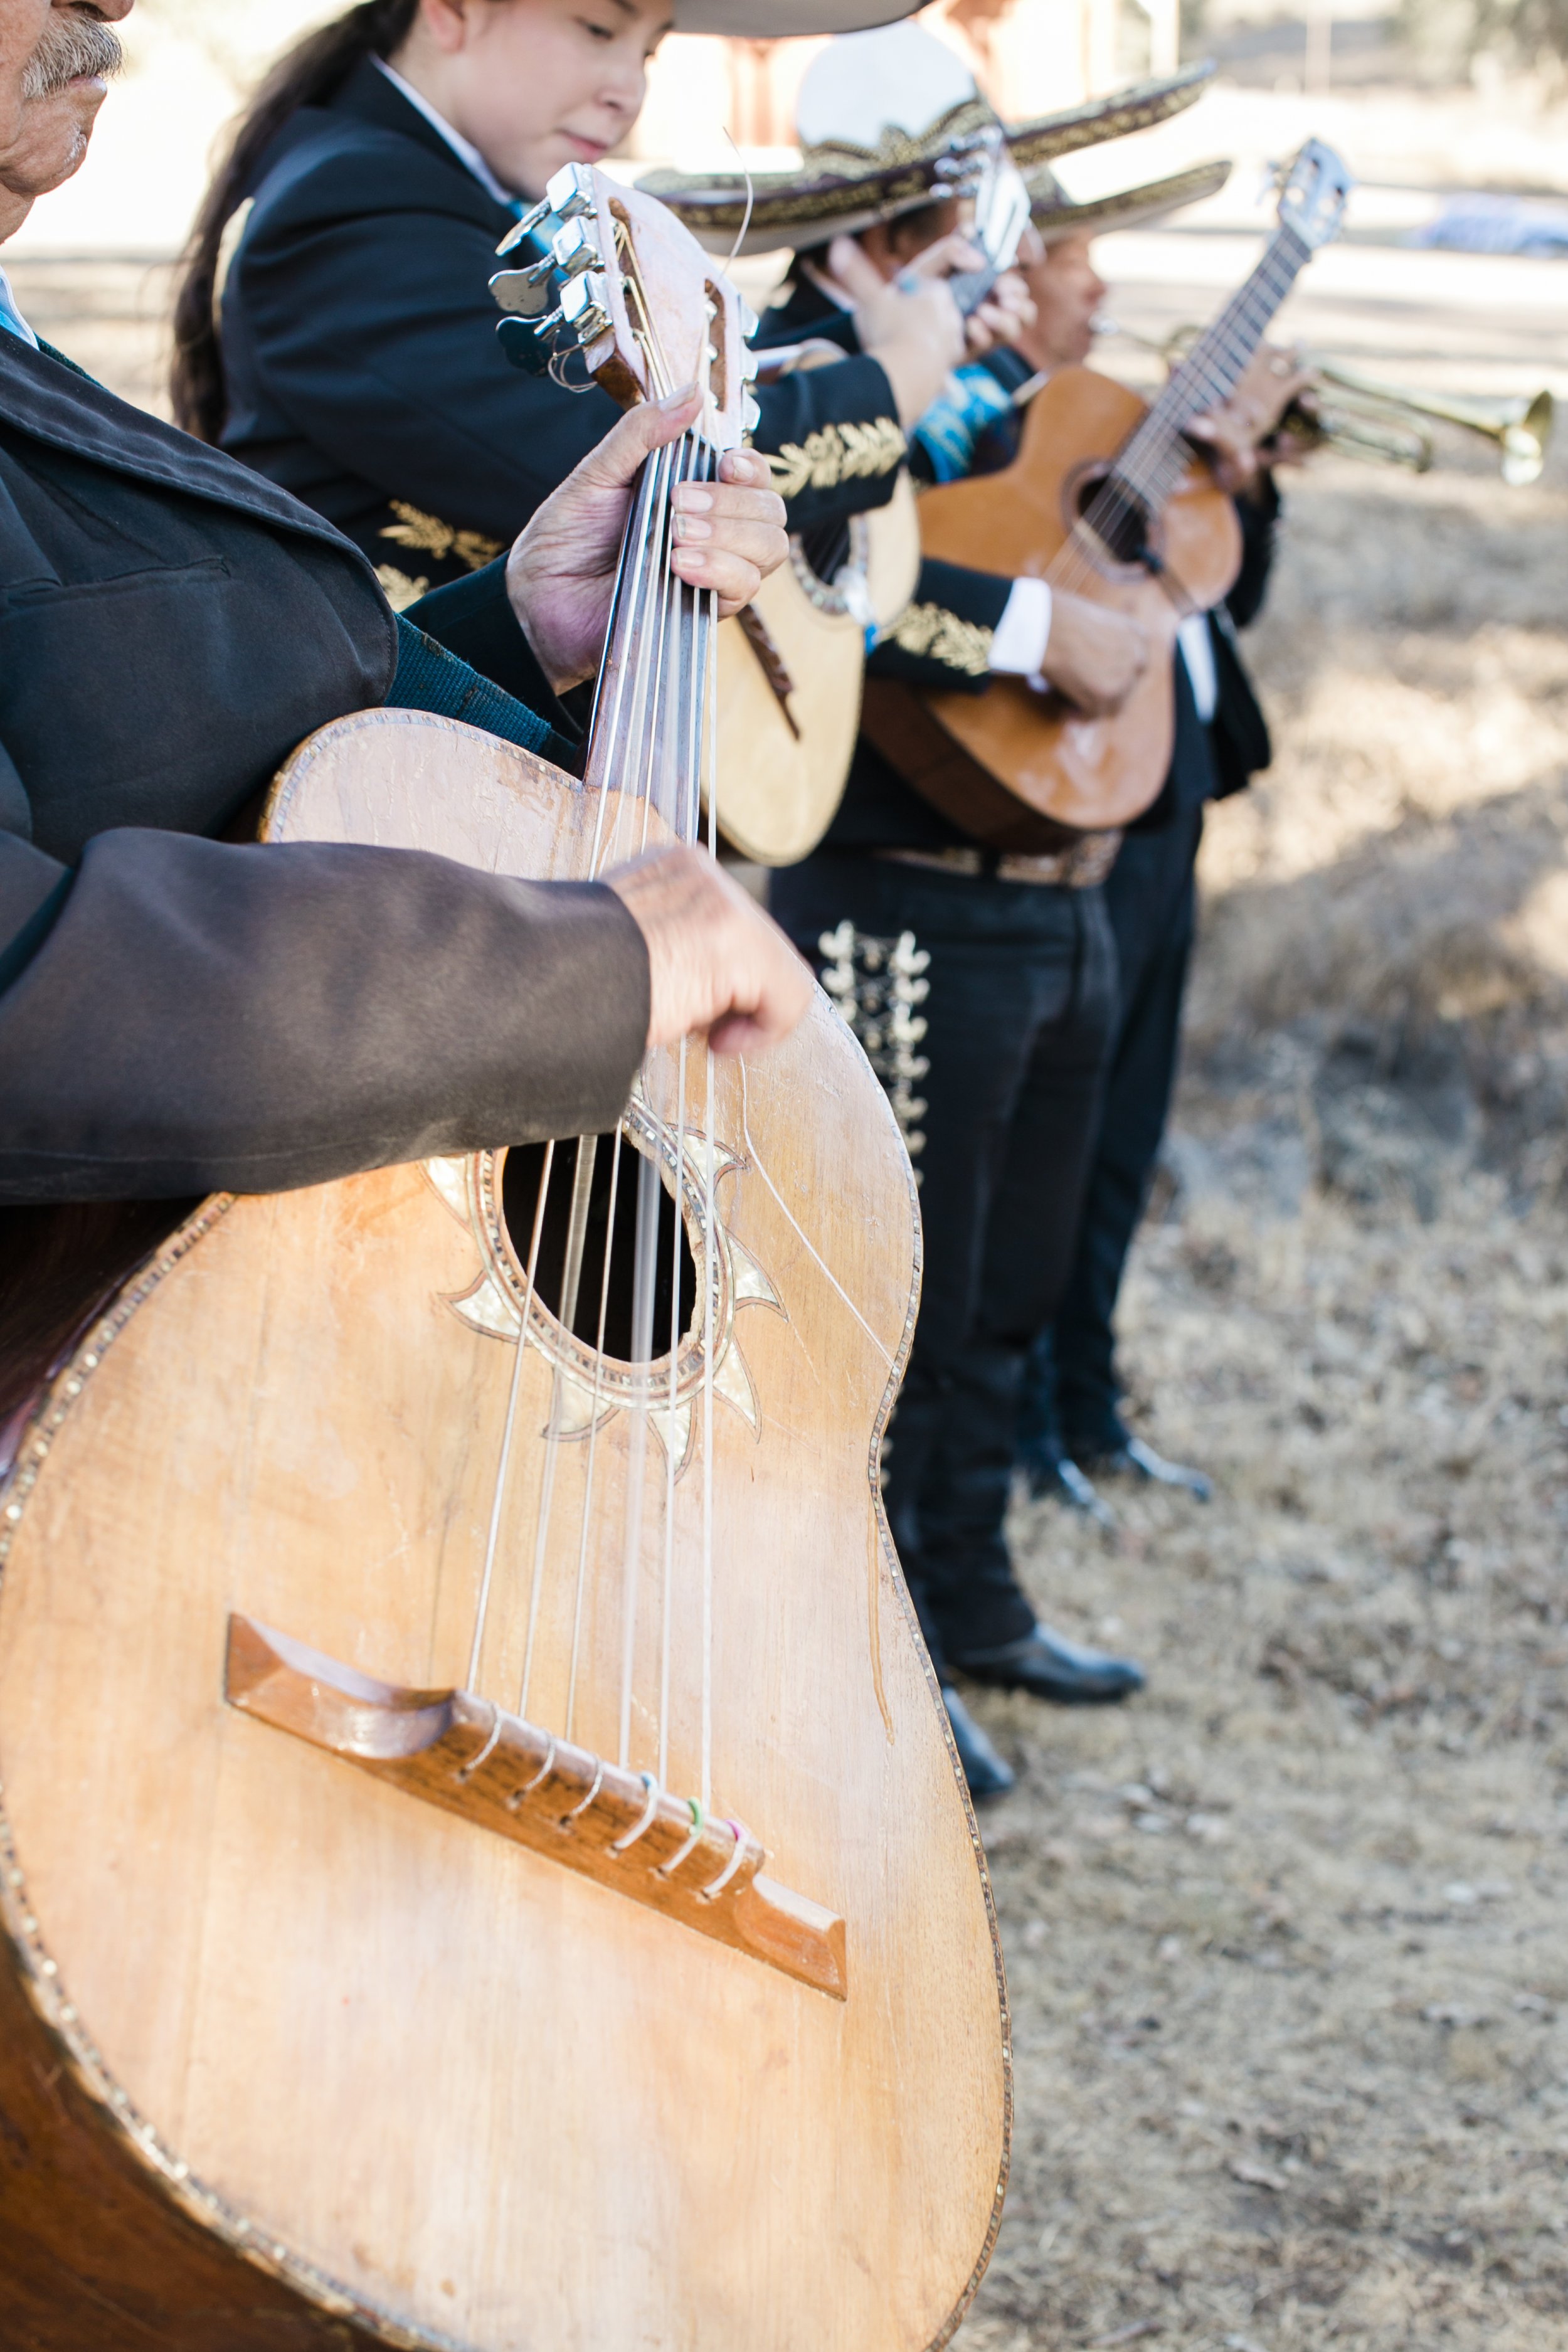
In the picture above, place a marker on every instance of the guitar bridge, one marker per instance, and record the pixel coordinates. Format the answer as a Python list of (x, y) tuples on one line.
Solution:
[(618, 1828)]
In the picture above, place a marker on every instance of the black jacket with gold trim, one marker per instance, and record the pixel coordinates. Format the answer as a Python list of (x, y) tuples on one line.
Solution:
[(941, 641), (364, 374)]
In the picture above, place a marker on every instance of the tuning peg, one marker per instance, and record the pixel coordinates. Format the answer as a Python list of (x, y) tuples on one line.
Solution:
[(585, 307), (527, 342), (749, 320), (570, 192), (525, 226), (527, 293), (748, 364), (573, 249), (750, 415)]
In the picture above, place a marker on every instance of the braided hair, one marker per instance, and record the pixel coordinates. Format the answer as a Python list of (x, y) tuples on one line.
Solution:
[(307, 75)]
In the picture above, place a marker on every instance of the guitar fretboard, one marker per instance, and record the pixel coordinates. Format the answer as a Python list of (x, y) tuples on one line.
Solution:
[(1156, 458)]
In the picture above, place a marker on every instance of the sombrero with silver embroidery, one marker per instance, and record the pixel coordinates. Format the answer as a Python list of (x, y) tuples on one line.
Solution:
[(930, 129), (1056, 216)]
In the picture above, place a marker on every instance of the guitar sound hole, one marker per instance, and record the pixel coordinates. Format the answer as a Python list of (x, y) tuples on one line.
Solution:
[(519, 1181), (1118, 520)]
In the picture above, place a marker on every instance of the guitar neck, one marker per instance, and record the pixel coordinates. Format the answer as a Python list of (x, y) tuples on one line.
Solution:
[(1156, 458)]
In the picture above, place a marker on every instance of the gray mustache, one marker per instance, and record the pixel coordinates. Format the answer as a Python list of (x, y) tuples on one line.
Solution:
[(71, 46)]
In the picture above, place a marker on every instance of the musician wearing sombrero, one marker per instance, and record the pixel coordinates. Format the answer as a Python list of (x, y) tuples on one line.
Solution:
[(182, 1011), (1070, 1425), (1022, 998), (334, 327)]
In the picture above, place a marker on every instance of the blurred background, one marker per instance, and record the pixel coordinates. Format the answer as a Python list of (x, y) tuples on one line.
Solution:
[(1285, 1936)]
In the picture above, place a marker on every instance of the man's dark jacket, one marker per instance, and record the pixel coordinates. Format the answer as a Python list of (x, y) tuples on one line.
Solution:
[(365, 373), (179, 1012)]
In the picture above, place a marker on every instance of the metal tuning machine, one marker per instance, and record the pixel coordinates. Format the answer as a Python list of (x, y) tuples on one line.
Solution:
[(555, 256)]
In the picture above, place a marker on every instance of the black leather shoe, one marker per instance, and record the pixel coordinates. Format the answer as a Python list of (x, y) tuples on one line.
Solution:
[(1049, 1666), (984, 1768), (1136, 1459)]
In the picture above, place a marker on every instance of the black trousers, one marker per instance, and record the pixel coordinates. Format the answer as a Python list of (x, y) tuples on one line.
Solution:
[(1071, 1393), (1020, 1014)]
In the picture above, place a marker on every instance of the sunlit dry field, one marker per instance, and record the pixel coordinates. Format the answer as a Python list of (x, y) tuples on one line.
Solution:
[(1285, 1937)]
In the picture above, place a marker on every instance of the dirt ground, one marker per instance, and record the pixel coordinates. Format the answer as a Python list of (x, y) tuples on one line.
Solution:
[(1286, 1936)]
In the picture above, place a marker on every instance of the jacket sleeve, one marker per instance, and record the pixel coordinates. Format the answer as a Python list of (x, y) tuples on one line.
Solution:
[(460, 652), (942, 640), (833, 439), (375, 332), (1260, 519), (180, 1016)]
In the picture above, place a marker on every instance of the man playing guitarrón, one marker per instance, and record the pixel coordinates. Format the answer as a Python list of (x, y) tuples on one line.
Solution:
[(180, 1013)]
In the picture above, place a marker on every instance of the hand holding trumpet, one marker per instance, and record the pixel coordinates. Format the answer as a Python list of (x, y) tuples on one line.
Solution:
[(1242, 434)]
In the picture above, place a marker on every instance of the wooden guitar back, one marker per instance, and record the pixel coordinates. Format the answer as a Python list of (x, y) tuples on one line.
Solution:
[(785, 745), (1023, 772), (321, 2063)]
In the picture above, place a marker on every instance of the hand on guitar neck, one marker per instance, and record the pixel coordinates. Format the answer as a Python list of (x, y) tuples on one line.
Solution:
[(1238, 434), (906, 316), (561, 573)]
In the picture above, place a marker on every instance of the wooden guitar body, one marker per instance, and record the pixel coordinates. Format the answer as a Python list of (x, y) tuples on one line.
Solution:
[(324, 2019), (1017, 770), (787, 728)]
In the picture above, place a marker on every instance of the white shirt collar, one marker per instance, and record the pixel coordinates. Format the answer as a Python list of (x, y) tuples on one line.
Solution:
[(463, 149), (11, 319)]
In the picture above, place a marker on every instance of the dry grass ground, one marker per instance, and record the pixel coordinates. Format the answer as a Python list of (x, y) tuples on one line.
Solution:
[(1285, 1937)]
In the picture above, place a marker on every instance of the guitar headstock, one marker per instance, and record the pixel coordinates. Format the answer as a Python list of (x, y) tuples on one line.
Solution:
[(1314, 195), (606, 270)]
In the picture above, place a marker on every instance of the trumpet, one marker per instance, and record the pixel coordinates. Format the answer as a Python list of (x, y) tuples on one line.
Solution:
[(1389, 424), (1386, 423)]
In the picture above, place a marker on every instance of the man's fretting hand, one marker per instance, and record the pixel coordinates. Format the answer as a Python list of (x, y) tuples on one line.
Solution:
[(561, 573), (718, 966)]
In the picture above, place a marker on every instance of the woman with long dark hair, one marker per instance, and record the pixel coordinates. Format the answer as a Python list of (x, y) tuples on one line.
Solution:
[(334, 327)]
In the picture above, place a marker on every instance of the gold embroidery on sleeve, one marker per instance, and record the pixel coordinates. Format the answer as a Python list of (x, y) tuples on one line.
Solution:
[(837, 453), (932, 632), (399, 590), (427, 534)]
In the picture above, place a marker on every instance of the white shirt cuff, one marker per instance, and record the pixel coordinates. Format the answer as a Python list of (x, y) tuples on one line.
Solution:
[(1197, 652), (1020, 637)]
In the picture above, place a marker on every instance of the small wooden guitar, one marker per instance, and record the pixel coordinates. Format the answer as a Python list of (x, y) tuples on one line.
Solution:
[(483, 1865), (1109, 500), (791, 670)]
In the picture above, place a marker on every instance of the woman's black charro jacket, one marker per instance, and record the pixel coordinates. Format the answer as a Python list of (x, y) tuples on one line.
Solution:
[(365, 373)]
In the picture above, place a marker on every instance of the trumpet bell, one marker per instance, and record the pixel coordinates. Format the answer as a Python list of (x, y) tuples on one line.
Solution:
[(1521, 424)]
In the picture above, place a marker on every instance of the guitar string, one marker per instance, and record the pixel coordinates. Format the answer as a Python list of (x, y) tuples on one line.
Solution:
[(493, 1535), (592, 1439), (571, 1274), (544, 1503), (710, 687), (645, 1260), (648, 521), (552, 1443), (677, 813), (647, 495)]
